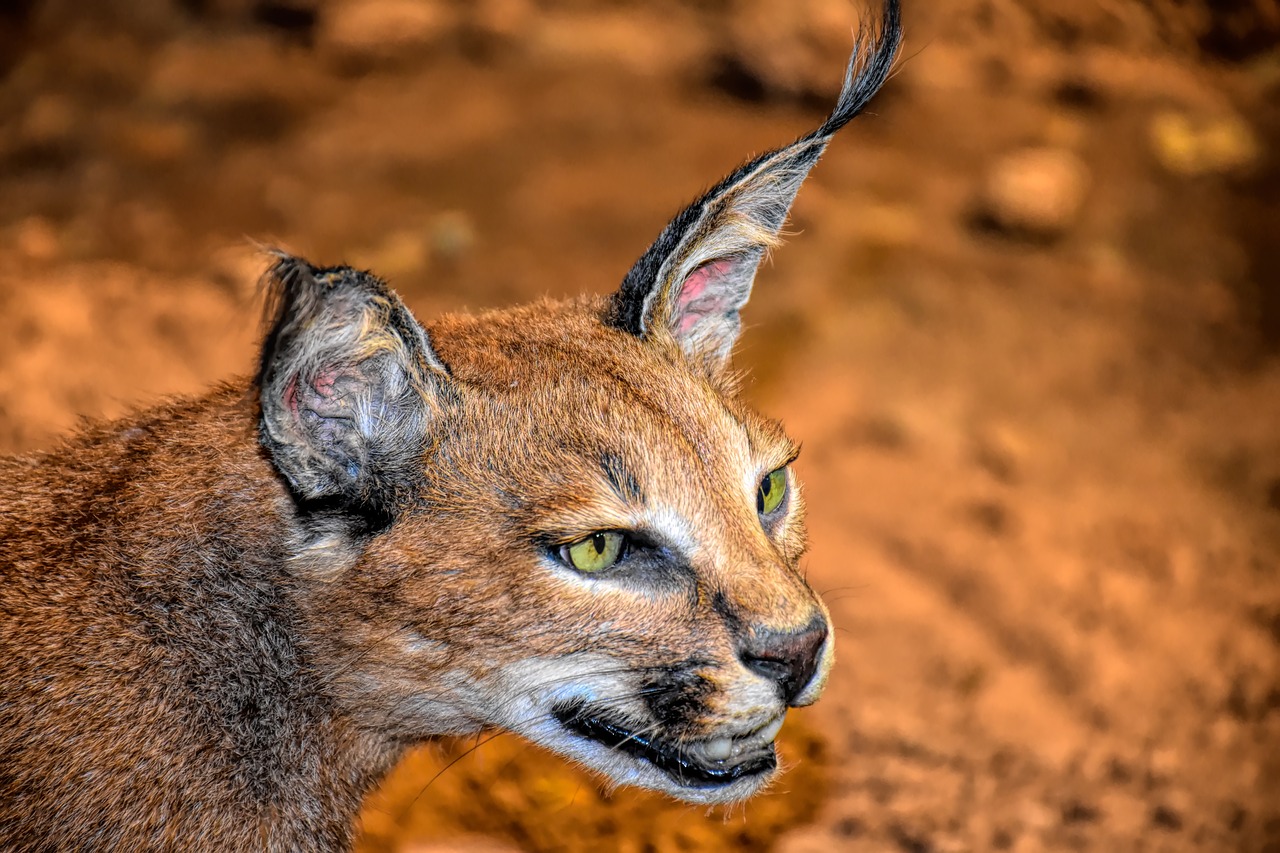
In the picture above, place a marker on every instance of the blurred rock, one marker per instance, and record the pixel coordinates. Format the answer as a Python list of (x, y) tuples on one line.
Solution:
[(154, 139), (647, 41), (1273, 494), (230, 10), (1167, 818), (37, 239), (411, 250), (1079, 93), (293, 18), (1190, 145), (494, 24), (146, 20), (1037, 192), (893, 225), (795, 49), (881, 430), (991, 517), (1000, 451), (401, 253), (1163, 765), (50, 120), (378, 32), (452, 235), (466, 844), (809, 839), (1035, 816), (215, 73), (236, 268)]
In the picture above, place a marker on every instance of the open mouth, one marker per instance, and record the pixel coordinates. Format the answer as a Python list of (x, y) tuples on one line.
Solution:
[(712, 763)]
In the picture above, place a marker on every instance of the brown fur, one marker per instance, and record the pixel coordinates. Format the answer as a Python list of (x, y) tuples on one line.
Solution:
[(223, 619)]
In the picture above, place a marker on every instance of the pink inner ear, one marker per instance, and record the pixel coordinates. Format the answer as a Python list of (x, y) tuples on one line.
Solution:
[(291, 396), (699, 297), (324, 383), (323, 386)]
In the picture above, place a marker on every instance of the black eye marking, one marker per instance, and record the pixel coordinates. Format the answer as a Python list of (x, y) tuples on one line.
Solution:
[(623, 482)]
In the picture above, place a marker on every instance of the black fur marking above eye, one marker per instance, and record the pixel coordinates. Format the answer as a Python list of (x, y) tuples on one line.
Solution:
[(622, 480)]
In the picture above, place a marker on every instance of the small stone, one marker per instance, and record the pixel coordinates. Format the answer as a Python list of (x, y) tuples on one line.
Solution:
[(156, 139), (893, 225), (1037, 192), (203, 73), (1079, 93), (50, 120), (500, 23), (452, 235), (374, 32), (851, 827), (881, 430), (400, 254), (1166, 818), (1191, 145), (1273, 494), (991, 517), (1162, 765), (1078, 811), (464, 844), (1118, 771), (37, 239), (810, 839), (792, 49), (1036, 816), (1001, 839), (1000, 451)]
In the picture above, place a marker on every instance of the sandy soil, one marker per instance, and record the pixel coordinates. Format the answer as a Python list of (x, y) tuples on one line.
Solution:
[(1026, 328)]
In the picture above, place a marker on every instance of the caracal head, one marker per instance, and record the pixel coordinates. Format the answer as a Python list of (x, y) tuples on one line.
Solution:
[(559, 519)]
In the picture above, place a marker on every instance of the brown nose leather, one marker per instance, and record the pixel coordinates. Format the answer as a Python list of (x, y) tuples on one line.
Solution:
[(787, 658)]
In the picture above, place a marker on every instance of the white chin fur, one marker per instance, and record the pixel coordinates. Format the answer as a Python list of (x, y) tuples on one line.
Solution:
[(534, 687), (622, 769), (537, 685)]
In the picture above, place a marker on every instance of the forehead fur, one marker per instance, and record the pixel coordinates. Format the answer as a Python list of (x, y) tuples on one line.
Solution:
[(573, 386)]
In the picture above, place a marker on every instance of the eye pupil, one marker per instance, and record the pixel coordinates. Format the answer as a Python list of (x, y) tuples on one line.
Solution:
[(772, 491), (595, 552)]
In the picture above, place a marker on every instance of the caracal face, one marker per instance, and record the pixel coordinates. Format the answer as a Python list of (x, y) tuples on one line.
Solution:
[(671, 668)]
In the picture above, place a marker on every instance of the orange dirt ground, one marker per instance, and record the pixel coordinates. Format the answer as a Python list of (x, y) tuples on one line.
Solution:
[(1026, 326)]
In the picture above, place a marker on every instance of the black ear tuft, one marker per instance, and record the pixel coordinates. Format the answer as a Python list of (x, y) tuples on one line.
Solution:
[(695, 278), (348, 385)]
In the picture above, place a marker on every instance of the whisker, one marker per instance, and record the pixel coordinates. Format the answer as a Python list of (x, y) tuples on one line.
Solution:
[(856, 586), (364, 653), (479, 743)]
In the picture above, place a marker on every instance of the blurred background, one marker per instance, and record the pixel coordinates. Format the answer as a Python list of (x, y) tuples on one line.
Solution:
[(1027, 326)]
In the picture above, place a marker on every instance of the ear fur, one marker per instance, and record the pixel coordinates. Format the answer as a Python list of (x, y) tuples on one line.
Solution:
[(348, 384), (695, 278)]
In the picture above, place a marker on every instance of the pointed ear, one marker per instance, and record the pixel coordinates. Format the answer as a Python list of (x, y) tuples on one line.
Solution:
[(695, 278), (348, 386)]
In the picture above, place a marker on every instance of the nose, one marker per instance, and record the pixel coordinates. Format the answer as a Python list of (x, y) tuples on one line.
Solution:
[(788, 658)]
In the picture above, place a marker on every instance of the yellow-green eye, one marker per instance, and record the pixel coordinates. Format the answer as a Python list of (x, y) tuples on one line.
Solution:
[(595, 553), (773, 489)]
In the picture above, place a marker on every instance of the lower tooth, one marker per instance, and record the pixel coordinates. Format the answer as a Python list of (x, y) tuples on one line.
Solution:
[(769, 732), (718, 749)]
